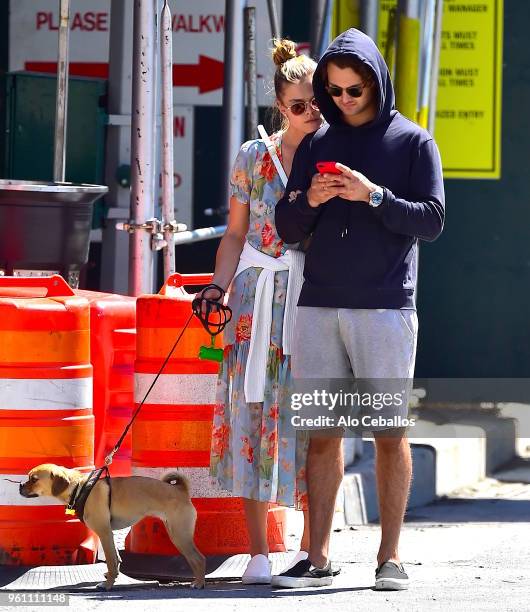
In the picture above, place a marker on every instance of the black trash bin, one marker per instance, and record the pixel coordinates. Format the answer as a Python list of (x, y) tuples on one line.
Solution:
[(45, 227)]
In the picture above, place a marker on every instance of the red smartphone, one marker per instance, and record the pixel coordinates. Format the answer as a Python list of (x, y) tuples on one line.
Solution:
[(327, 167)]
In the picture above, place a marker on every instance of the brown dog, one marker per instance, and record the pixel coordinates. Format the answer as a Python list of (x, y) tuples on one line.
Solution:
[(129, 500)]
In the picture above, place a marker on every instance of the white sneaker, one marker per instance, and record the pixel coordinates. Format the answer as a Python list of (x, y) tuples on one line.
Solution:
[(258, 571), (301, 555)]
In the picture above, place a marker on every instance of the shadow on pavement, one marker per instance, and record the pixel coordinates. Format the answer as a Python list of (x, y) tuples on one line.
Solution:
[(462, 510), (217, 591)]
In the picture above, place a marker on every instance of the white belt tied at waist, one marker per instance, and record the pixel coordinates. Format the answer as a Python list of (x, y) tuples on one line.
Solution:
[(255, 372)]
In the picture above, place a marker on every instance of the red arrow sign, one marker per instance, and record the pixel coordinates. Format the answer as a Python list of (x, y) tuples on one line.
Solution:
[(207, 75), (87, 69)]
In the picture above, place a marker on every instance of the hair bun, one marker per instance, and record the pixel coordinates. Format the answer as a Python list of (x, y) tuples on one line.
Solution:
[(283, 51)]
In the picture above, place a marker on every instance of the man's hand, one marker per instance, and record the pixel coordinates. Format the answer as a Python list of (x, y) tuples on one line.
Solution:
[(323, 188), (355, 186)]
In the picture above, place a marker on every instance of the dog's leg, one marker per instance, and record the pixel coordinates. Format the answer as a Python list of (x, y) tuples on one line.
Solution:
[(111, 556), (181, 527)]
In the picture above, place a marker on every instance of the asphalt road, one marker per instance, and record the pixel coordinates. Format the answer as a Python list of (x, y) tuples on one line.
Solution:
[(467, 552)]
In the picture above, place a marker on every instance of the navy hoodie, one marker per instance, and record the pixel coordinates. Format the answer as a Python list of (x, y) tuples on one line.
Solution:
[(374, 263)]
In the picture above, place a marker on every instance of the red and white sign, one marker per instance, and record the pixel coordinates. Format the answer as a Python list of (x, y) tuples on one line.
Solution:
[(33, 32), (198, 44), (183, 163)]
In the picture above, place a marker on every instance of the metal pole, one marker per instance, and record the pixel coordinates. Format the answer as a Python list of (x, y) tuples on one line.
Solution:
[(61, 107), (427, 39), (325, 29), (317, 10), (370, 18), (435, 64), (168, 187), (115, 243), (250, 55), (141, 257), (407, 58), (391, 42), (198, 235), (273, 16), (233, 91)]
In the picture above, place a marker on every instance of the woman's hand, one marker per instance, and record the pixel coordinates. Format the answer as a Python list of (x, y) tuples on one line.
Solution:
[(212, 294), (323, 188), (355, 186)]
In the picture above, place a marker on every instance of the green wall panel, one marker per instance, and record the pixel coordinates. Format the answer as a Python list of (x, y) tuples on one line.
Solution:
[(30, 101), (474, 294)]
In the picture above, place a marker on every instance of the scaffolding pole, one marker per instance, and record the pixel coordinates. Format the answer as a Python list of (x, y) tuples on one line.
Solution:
[(168, 182), (273, 17), (115, 243), (252, 87), (317, 10), (435, 64), (407, 58), (61, 104), (143, 136), (233, 92), (370, 18), (427, 48)]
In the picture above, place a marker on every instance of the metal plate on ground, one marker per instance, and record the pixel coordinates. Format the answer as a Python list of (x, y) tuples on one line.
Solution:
[(63, 578), (234, 566), (221, 567)]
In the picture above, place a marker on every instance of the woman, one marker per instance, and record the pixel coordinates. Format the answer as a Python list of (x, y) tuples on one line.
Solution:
[(253, 454)]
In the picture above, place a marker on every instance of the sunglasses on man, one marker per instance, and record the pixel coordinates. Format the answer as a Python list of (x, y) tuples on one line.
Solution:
[(354, 91), (299, 108)]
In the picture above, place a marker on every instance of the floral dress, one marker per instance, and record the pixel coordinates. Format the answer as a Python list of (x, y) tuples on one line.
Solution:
[(255, 452)]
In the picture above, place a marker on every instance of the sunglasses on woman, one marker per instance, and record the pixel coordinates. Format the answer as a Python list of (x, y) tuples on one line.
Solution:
[(299, 108), (354, 91)]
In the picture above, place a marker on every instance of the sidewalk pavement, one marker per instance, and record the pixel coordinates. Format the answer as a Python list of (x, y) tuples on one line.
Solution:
[(464, 550), (468, 551)]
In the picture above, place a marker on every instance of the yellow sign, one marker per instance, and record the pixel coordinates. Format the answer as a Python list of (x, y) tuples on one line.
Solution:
[(468, 109)]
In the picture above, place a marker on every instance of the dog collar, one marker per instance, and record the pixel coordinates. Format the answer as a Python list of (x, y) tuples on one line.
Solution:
[(71, 502), (77, 501)]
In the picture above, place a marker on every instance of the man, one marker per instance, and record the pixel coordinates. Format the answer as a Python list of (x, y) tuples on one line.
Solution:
[(357, 309)]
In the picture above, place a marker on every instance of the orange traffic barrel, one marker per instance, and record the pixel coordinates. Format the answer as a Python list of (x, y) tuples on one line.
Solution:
[(112, 353), (173, 429), (45, 416)]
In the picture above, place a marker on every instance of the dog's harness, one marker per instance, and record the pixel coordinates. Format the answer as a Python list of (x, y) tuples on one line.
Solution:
[(76, 504)]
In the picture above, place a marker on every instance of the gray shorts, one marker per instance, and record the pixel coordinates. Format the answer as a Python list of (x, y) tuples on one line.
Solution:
[(364, 358)]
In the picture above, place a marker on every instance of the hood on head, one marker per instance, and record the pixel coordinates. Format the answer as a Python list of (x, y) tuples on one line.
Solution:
[(355, 44)]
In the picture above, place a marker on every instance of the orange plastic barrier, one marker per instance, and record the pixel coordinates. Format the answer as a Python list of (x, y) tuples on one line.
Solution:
[(112, 353), (45, 416), (173, 428)]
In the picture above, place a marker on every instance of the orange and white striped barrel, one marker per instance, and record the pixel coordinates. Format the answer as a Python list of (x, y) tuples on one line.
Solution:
[(173, 428), (112, 353), (45, 416)]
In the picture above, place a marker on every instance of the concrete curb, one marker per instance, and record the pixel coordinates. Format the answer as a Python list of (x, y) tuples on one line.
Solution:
[(457, 451), (520, 413), (498, 430), (357, 499)]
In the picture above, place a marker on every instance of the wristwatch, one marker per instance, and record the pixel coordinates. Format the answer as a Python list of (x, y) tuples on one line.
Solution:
[(375, 197)]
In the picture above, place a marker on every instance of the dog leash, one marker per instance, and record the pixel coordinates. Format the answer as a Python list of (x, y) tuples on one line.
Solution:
[(202, 308), (110, 456), (211, 307)]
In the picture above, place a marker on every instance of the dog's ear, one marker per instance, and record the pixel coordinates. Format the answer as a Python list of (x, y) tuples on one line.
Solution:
[(59, 484)]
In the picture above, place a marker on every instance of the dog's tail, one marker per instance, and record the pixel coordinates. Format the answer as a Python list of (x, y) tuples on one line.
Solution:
[(177, 480)]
